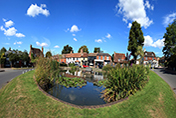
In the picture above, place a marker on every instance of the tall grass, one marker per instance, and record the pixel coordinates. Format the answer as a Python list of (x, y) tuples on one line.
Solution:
[(46, 70), (124, 81)]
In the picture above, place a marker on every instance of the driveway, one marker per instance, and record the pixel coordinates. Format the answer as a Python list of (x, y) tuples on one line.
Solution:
[(8, 75), (168, 76)]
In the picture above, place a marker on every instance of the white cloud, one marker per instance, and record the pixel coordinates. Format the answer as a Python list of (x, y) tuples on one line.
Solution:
[(147, 4), (74, 39), (149, 42), (66, 30), (18, 43), (35, 10), (41, 44), (10, 31), (74, 28), (9, 23), (56, 46), (19, 35), (108, 36), (169, 19), (98, 40), (4, 19), (73, 34), (129, 25), (133, 10)]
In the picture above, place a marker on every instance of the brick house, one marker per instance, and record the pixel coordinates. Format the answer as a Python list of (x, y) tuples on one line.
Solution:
[(91, 58), (36, 52), (102, 59), (120, 58)]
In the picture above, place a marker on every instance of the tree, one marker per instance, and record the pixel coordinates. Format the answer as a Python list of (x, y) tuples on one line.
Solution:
[(96, 50), (169, 48), (3, 50), (48, 54), (136, 39), (25, 56), (85, 49), (13, 57), (140, 53), (67, 49)]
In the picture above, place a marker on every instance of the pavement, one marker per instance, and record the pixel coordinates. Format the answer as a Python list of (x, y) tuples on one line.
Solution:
[(8, 74), (168, 76)]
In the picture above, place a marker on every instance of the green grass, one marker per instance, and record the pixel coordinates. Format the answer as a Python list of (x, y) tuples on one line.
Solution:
[(22, 98)]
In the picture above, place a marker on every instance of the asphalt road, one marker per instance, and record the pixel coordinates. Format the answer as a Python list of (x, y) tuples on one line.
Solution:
[(8, 75), (167, 76)]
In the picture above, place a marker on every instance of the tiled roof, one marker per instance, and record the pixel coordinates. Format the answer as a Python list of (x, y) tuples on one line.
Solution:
[(118, 56), (92, 54), (149, 54), (103, 54), (76, 55)]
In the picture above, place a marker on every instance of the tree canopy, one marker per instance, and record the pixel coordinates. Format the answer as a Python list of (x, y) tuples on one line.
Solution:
[(136, 39), (85, 49), (67, 49), (169, 49), (96, 50), (3, 50), (48, 54)]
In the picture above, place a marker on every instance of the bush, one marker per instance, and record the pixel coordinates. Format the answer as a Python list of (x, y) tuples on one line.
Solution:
[(71, 64), (124, 81), (107, 68), (46, 69)]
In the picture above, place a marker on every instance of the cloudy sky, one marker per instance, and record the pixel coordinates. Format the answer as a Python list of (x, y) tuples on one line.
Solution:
[(94, 23)]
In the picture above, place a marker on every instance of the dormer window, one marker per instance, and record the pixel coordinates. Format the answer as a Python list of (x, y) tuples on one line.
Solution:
[(145, 53)]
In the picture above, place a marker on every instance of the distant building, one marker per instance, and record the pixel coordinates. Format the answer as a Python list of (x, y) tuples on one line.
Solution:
[(91, 58), (36, 52), (150, 58), (120, 58), (102, 59)]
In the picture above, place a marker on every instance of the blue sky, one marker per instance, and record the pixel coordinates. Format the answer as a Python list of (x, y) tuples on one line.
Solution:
[(94, 23)]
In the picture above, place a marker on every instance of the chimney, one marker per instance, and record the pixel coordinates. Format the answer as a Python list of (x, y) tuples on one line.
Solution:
[(81, 50), (71, 52), (30, 47), (42, 49)]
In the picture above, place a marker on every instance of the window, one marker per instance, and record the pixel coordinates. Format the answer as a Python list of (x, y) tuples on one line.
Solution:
[(146, 58), (73, 58), (103, 58), (107, 57), (145, 53), (99, 57)]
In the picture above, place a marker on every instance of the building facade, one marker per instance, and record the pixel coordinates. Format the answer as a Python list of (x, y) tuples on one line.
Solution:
[(36, 52)]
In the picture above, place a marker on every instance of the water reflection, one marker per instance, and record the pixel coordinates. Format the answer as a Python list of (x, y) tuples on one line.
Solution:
[(87, 95)]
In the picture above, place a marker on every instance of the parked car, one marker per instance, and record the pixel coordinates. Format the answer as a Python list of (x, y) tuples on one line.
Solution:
[(84, 66)]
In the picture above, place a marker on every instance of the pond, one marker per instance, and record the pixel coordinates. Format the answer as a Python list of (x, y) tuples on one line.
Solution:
[(88, 95)]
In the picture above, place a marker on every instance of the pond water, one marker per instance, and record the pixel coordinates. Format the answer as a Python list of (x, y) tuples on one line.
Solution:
[(89, 94)]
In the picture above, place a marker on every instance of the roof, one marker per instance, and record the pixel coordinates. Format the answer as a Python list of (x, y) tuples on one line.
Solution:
[(92, 54), (103, 54), (118, 56), (76, 55), (149, 54)]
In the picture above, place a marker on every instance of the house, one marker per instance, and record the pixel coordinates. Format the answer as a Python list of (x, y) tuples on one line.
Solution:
[(150, 58), (102, 59), (77, 58), (36, 52), (120, 58), (91, 58)]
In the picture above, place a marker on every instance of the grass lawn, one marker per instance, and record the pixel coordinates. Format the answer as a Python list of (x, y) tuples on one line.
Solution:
[(22, 98)]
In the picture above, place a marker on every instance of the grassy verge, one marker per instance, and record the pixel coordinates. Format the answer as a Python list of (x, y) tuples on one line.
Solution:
[(22, 98), (22, 68)]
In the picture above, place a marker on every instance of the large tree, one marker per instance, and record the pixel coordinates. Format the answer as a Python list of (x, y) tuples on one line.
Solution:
[(25, 56), (85, 49), (67, 49), (3, 50), (136, 39), (48, 54), (169, 49), (96, 50)]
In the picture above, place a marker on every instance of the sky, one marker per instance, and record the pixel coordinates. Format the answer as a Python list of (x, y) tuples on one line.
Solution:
[(54, 24)]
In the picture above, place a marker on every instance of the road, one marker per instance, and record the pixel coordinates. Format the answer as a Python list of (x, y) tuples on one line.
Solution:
[(167, 76), (8, 75)]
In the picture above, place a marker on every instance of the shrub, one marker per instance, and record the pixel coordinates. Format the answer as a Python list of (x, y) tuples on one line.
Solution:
[(106, 69), (122, 82), (71, 64), (46, 69)]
